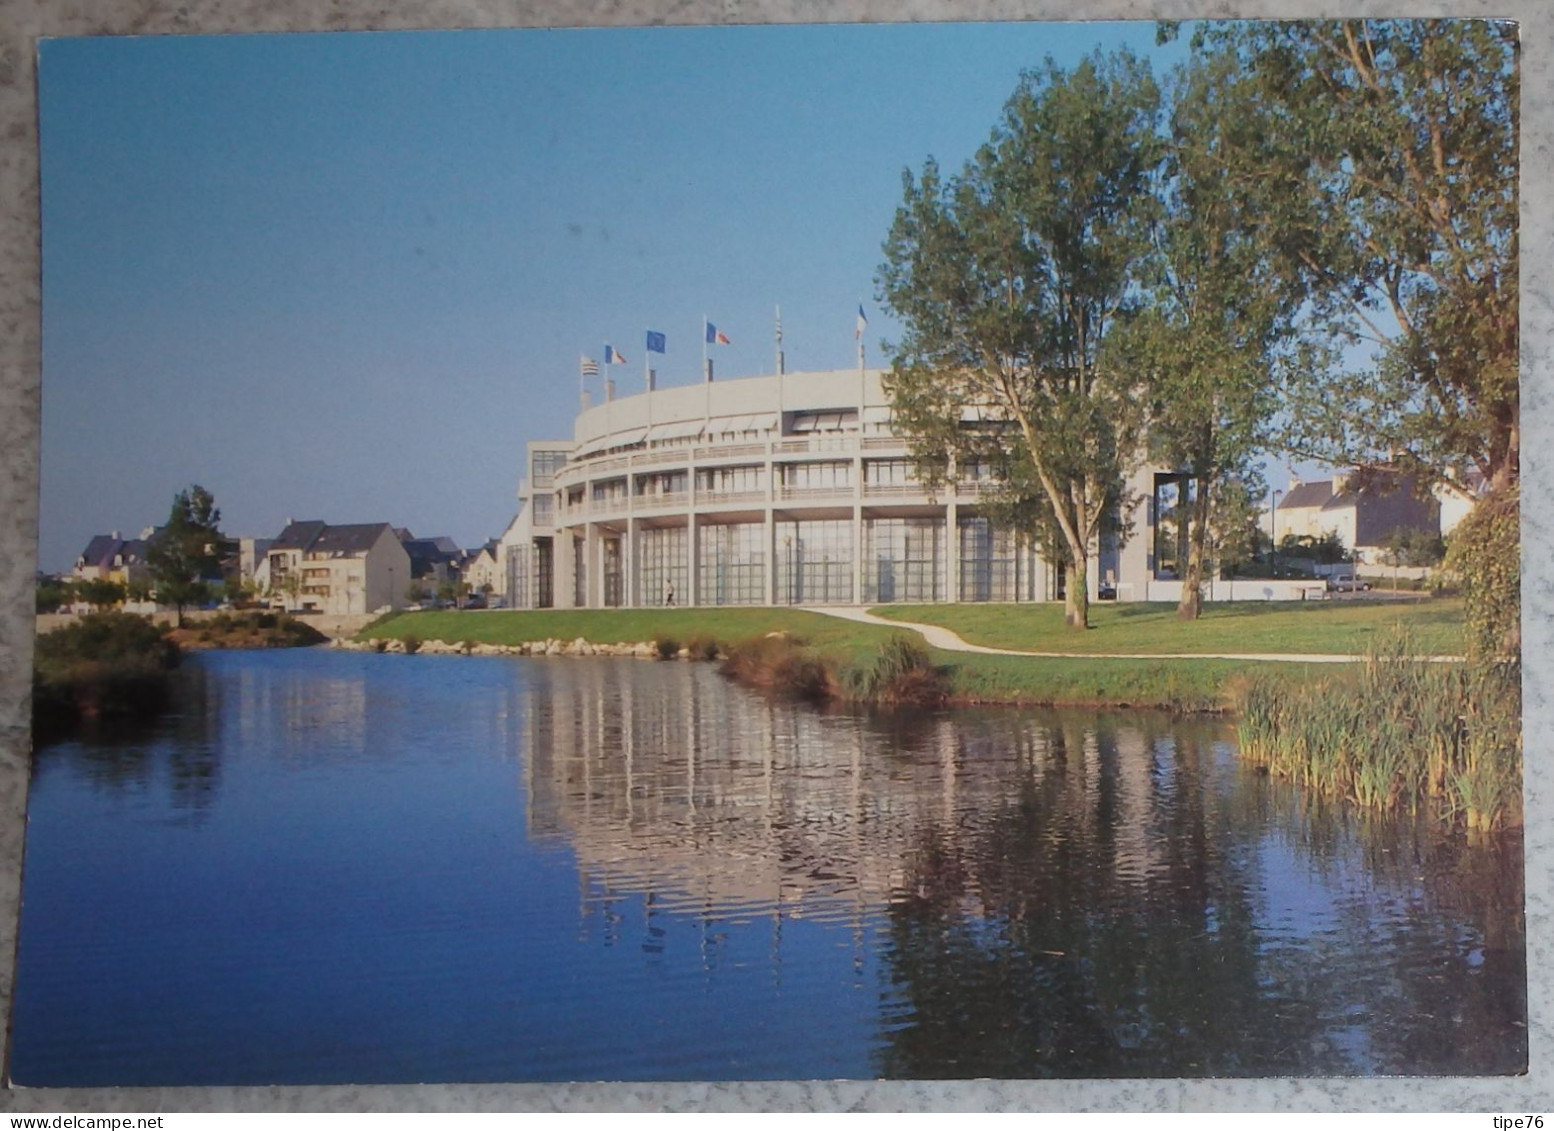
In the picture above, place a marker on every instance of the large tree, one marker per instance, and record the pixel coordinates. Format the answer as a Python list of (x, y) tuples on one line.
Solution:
[(186, 552), (1009, 279), (1218, 311), (1398, 146)]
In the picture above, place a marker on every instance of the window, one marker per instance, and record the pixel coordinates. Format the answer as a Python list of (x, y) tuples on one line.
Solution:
[(815, 562), (662, 483), (989, 562), (733, 564), (832, 475), (731, 480), (663, 575), (904, 560), (889, 472), (545, 465)]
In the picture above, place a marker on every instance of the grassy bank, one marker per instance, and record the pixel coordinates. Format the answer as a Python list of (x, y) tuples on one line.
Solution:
[(849, 651), (1344, 626)]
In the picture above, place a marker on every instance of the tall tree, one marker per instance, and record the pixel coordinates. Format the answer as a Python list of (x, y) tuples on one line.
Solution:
[(1398, 143), (1009, 279), (187, 551), (1217, 308)]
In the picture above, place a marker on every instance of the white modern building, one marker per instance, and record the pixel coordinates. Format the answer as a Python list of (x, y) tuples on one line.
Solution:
[(784, 490)]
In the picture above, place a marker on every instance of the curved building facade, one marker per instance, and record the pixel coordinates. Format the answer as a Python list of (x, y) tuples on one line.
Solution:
[(784, 490)]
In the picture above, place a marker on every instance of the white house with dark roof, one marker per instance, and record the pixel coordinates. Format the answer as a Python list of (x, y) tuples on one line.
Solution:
[(340, 570), (1363, 512)]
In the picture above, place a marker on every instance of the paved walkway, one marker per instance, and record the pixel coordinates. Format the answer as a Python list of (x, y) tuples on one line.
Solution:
[(941, 637)]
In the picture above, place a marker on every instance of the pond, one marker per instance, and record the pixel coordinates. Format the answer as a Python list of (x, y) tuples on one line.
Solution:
[(335, 867)]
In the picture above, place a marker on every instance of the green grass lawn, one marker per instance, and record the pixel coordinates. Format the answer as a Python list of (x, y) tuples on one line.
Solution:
[(845, 639), (1349, 626), (1173, 684)]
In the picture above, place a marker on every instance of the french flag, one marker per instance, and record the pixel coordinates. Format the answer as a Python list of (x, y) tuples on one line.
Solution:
[(716, 337)]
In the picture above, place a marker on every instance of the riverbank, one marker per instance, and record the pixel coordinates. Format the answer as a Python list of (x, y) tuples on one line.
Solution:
[(843, 645)]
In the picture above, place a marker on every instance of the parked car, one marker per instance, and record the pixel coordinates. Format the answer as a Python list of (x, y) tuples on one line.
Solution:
[(1346, 582), (475, 601)]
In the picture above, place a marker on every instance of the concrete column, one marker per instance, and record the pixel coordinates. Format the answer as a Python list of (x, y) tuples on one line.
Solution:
[(857, 554), (629, 565), (693, 559), (952, 547), (770, 526)]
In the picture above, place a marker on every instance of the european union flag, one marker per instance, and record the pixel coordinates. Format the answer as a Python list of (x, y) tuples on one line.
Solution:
[(655, 342)]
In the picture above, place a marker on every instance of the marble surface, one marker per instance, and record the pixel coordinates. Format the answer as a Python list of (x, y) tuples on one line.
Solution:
[(24, 22)]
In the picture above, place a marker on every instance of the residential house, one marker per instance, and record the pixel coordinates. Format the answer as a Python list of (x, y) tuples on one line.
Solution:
[(109, 557), (1457, 496), (433, 561), (340, 570), (1363, 511), (482, 570)]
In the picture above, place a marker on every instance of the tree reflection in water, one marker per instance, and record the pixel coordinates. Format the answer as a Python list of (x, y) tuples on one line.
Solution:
[(1037, 940)]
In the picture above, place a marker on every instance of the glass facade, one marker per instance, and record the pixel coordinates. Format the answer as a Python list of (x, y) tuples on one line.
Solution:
[(990, 561), (815, 562), (663, 570), (545, 466), (889, 472), (733, 564), (904, 559), (731, 480), (831, 474)]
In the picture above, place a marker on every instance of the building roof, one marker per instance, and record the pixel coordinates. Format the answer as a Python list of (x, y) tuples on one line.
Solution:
[(1314, 494), (348, 541), (316, 537), (100, 550), (298, 535)]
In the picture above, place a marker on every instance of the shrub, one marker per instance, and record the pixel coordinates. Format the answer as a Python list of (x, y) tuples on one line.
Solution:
[(902, 673), (1485, 558), (412, 644), (703, 648), (104, 664), (667, 648), (779, 665)]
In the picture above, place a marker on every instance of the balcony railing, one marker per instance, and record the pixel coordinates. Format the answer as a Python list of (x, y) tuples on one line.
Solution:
[(893, 490), (728, 498), (831, 492)]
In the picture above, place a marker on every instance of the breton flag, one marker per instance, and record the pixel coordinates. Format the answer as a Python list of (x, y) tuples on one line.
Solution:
[(862, 323), (613, 356), (655, 342), (590, 367), (716, 337)]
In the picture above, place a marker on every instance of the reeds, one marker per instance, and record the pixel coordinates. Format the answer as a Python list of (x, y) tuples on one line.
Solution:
[(1395, 731), (902, 674)]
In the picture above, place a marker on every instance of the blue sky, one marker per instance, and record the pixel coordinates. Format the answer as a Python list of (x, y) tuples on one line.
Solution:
[(347, 276)]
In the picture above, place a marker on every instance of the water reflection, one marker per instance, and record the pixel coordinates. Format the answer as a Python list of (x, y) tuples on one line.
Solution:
[(1062, 894), (337, 867)]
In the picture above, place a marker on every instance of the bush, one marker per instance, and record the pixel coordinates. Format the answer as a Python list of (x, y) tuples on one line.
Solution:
[(412, 644), (902, 673), (104, 664), (703, 648), (780, 665), (1485, 558), (667, 648)]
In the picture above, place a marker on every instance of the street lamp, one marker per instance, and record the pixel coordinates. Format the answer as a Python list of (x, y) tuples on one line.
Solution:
[(1273, 534)]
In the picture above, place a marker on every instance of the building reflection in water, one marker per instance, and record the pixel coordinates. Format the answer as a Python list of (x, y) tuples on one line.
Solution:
[(1073, 894)]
